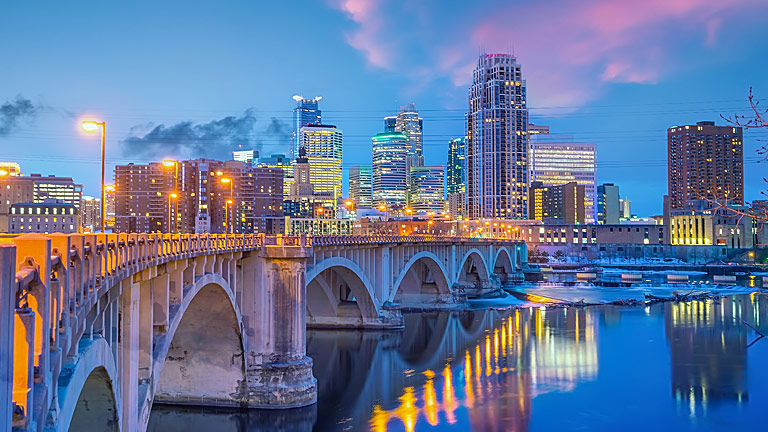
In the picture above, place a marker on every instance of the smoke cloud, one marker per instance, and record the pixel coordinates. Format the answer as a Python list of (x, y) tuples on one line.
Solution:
[(215, 139), (12, 112)]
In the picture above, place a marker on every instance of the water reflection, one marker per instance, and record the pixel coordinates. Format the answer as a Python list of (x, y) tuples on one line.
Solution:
[(483, 370), (708, 343)]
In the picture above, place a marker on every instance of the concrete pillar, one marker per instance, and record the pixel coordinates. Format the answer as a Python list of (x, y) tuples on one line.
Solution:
[(160, 292), (129, 355), (146, 328), (7, 305), (278, 371)]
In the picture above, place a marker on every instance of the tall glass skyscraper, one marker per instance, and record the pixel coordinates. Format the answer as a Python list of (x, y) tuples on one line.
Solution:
[(497, 140), (456, 169), (389, 170), (323, 144), (558, 163), (408, 122), (305, 113), (361, 185), (427, 190)]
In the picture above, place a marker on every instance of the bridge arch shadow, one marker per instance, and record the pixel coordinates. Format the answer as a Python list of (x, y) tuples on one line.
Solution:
[(201, 360), (473, 272), (423, 280), (503, 264), (87, 391), (339, 295)]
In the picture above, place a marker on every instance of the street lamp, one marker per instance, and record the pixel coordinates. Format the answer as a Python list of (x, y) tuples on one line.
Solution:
[(227, 225), (383, 209), (168, 163), (171, 196), (226, 180), (4, 173), (93, 126)]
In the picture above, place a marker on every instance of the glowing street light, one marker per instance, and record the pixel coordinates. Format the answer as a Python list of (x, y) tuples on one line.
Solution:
[(4, 173), (93, 126)]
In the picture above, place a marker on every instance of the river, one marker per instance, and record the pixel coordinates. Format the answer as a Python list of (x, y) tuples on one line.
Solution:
[(693, 366)]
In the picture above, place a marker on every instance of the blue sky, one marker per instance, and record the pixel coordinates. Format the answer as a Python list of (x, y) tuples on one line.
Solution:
[(616, 73)]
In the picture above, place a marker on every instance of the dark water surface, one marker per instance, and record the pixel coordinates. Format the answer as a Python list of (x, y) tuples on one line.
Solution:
[(691, 366)]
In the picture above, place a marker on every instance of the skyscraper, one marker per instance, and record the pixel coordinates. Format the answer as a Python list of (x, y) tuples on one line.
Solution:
[(389, 175), (563, 204), (361, 185), (607, 204), (456, 176), (557, 163), (305, 113), (705, 162), (408, 122), (427, 189), (497, 140), (323, 144)]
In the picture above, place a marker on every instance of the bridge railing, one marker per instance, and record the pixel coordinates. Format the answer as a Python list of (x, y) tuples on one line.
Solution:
[(53, 284), (332, 240)]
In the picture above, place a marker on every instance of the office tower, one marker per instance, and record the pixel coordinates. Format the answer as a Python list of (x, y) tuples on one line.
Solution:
[(408, 122), (35, 188), (90, 214), (389, 170), (608, 204), (705, 162), (302, 186), (625, 208), (305, 113), (143, 197), (563, 204), (556, 163), (283, 163), (47, 216), (497, 140), (361, 186), (427, 189), (248, 157), (456, 176), (323, 144)]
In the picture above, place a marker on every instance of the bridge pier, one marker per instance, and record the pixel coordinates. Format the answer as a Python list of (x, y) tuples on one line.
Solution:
[(278, 371)]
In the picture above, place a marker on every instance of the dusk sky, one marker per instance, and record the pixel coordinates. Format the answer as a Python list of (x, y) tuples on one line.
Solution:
[(613, 72)]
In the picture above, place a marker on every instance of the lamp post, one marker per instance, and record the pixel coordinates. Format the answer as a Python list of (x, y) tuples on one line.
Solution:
[(93, 126), (171, 196), (350, 205), (231, 200), (383, 208), (226, 217), (167, 164)]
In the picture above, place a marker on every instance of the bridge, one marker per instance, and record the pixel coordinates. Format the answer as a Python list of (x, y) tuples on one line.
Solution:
[(98, 327)]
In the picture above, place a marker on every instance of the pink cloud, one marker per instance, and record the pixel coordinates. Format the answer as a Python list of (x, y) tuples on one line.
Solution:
[(570, 50)]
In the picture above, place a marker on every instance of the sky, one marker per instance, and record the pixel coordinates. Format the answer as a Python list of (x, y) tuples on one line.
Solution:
[(217, 75)]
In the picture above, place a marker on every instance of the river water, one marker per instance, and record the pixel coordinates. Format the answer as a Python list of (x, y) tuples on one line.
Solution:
[(693, 366)]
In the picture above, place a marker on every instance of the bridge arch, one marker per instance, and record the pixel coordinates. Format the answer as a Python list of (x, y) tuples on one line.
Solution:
[(201, 359), (472, 268), (424, 275), (338, 289), (503, 263), (87, 391)]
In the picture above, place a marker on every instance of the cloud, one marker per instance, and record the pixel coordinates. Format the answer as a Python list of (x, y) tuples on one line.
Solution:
[(215, 139), (14, 111), (570, 50)]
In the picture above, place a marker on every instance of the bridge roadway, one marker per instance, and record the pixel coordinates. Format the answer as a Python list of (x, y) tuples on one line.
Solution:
[(103, 325)]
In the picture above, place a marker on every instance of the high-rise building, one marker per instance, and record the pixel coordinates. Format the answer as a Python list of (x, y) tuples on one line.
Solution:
[(608, 204), (456, 176), (283, 163), (361, 186), (248, 157), (427, 189), (389, 171), (497, 140), (408, 122), (705, 162), (556, 163), (306, 113), (563, 204), (90, 214), (302, 186), (249, 202), (323, 144), (625, 208)]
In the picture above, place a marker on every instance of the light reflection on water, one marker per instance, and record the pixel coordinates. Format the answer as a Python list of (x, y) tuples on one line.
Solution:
[(531, 369)]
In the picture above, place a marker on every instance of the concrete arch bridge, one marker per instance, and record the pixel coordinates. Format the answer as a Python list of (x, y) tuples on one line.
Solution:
[(96, 328)]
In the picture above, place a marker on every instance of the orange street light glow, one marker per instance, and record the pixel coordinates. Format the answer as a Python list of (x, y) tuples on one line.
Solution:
[(226, 180), (382, 207), (109, 188), (173, 195), (348, 203), (4, 173), (169, 163), (91, 126), (229, 201)]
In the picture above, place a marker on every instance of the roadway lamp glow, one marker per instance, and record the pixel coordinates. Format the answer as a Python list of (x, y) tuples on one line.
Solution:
[(226, 180), (169, 163), (3, 173), (173, 195), (91, 126)]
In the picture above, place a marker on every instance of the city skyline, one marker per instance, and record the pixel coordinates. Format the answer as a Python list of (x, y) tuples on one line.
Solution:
[(630, 112)]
